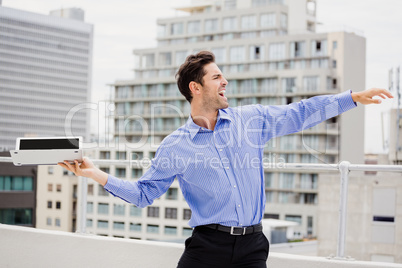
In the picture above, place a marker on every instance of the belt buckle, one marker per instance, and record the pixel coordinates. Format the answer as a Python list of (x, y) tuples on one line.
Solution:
[(233, 228)]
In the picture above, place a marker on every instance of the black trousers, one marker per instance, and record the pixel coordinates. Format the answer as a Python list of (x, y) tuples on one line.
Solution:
[(212, 248)]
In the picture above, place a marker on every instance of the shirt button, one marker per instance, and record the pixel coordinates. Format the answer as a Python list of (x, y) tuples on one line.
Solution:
[(234, 186), (220, 150), (241, 224), (238, 205), (227, 167)]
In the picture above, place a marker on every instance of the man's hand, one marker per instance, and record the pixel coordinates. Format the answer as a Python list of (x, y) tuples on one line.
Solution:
[(366, 97), (86, 169)]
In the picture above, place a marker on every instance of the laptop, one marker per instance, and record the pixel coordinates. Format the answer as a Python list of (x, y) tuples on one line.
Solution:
[(46, 150)]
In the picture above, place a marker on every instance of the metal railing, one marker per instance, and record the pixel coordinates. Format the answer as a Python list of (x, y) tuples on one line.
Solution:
[(343, 167)]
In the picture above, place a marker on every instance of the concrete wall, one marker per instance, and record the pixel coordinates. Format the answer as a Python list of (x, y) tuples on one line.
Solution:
[(28, 247)]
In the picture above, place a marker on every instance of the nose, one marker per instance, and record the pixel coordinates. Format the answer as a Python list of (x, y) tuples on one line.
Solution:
[(224, 82)]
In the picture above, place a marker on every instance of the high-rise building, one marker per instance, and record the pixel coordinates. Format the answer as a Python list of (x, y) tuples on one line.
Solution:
[(45, 74), (17, 194), (271, 54)]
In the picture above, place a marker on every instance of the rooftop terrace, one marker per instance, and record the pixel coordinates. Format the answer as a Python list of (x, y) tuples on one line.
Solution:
[(29, 247)]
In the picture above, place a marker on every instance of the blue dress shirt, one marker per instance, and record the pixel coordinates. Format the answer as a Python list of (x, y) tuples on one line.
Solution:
[(220, 172)]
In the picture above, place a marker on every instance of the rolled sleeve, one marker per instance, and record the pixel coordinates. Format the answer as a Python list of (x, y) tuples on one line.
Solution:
[(112, 185)]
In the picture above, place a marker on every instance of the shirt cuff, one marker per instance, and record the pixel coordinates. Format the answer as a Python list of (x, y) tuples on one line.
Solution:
[(112, 185), (346, 101)]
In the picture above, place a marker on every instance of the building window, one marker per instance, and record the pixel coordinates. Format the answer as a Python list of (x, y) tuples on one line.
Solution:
[(162, 30), (58, 187), (136, 173), (193, 27), (277, 51), (90, 207), (165, 58), (16, 183), (308, 181), (170, 230), (334, 64), (90, 189), (220, 54), (186, 214), (50, 170), (119, 209), (121, 155), (268, 179), (294, 218), (249, 22), (89, 223), (334, 45), (286, 197), (311, 83), (120, 172), (187, 231), (271, 216), (50, 187), (103, 224), (103, 208), (153, 212), (170, 213), (171, 194), (58, 205), (102, 191), (308, 199), (135, 227), (49, 221), (57, 222), (237, 54), (118, 225), (297, 49), (154, 229), (284, 20), (180, 56), (19, 216), (176, 28), (268, 20), (104, 155), (148, 60), (289, 85), (229, 23), (286, 180), (318, 48), (49, 204), (135, 211), (257, 52), (211, 25)]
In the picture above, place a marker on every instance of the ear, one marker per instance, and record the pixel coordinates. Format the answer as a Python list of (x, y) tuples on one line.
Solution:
[(195, 88)]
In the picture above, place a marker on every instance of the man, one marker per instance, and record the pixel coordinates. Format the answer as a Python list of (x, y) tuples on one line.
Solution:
[(217, 158)]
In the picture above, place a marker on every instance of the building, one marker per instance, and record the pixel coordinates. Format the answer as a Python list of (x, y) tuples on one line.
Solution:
[(270, 54), (374, 210), (17, 194), (56, 207), (45, 74)]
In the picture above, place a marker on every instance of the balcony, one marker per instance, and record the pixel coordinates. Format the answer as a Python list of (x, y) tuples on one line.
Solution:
[(24, 246), (29, 247)]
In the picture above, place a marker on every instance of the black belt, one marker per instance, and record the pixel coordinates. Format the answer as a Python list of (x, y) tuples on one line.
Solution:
[(236, 230)]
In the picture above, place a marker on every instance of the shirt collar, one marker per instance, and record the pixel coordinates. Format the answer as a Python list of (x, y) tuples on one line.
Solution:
[(193, 128)]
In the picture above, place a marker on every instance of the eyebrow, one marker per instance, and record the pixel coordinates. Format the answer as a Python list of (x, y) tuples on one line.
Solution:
[(216, 75)]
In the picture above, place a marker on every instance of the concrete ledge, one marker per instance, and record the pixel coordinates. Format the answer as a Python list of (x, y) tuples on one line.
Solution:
[(29, 247)]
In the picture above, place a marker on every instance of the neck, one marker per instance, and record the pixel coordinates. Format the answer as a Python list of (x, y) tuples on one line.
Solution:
[(204, 118)]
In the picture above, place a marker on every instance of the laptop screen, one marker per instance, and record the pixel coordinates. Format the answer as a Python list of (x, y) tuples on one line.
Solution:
[(48, 144)]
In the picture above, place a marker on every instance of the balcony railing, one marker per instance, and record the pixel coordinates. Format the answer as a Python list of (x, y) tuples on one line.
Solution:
[(343, 168)]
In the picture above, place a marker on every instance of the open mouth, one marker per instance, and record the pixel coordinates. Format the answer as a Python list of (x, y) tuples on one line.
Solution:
[(222, 94)]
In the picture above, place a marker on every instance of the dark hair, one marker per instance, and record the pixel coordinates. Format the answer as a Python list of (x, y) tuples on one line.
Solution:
[(193, 70)]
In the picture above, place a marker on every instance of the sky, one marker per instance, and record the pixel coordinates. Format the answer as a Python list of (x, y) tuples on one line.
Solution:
[(120, 26)]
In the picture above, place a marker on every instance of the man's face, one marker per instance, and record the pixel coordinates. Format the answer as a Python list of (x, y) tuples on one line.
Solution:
[(213, 89)]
